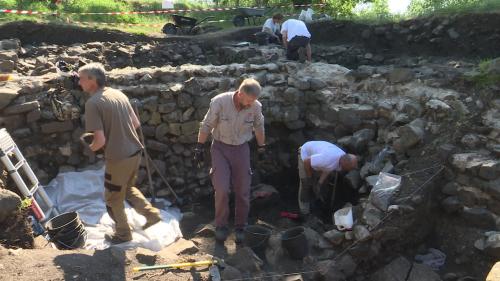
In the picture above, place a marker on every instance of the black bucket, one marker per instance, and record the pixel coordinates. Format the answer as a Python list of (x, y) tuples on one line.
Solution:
[(295, 242), (256, 237), (66, 231), (262, 38)]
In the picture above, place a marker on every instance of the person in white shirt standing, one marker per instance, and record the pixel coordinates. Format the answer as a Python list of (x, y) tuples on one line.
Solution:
[(295, 36), (319, 157), (272, 27)]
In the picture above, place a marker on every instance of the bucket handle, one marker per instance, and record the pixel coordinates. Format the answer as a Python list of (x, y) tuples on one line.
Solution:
[(73, 247)]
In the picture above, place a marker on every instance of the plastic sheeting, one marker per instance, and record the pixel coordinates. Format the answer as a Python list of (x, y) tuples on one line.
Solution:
[(83, 192)]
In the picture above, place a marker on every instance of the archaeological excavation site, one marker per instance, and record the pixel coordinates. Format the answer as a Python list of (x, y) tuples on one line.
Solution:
[(416, 104)]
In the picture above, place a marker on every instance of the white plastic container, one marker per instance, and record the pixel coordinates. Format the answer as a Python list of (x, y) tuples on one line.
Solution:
[(343, 219)]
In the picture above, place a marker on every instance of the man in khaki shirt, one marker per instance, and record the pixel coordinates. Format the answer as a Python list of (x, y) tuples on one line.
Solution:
[(231, 119), (111, 119)]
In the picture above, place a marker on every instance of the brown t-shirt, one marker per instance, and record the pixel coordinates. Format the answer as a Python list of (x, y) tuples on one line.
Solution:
[(110, 110), (227, 124)]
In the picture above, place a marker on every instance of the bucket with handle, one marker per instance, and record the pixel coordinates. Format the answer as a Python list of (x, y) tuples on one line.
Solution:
[(66, 231), (256, 237), (343, 218)]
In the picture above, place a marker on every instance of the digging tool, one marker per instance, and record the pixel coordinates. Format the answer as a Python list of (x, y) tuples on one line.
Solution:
[(212, 262), (148, 169), (178, 200)]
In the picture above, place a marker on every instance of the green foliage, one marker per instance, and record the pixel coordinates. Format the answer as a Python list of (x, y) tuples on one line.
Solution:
[(425, 7), (482, 77), (26, 203)]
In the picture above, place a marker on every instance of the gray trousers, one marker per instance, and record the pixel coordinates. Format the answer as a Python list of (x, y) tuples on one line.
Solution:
[(231, 167)]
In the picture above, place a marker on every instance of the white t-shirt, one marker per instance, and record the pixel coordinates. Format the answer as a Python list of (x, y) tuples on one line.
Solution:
[(294, 28), (271, 25), (324, 156)]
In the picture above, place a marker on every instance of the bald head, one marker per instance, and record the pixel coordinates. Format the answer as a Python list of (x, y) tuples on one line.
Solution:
[(348, 162)]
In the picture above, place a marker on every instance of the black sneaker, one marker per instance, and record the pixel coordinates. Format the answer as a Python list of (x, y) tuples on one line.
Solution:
[(221, 233), (239, 235), (113, 239)]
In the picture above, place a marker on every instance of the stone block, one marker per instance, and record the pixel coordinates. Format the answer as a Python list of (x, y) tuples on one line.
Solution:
[(22, 108), (9, 202), (57, 127), (479, 217), (158, 146), (190, 128), (8, 92), (34, 116), (397, 270), (182, 247), (422, 272)]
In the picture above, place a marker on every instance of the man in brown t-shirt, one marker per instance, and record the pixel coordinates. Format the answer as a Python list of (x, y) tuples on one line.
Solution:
[(110, 117), (231, 119)]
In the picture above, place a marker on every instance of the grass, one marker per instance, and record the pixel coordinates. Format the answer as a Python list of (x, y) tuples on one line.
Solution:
[(482, 77)]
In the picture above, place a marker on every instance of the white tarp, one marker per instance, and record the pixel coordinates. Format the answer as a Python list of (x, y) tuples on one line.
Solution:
[(83, 192)]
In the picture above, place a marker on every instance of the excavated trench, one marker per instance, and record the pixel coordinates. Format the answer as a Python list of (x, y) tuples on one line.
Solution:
[(422, 107)]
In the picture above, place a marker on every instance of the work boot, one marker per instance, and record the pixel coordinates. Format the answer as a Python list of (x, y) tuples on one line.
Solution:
[(113, 239), (221, 233), (151, 222), (239, 235)]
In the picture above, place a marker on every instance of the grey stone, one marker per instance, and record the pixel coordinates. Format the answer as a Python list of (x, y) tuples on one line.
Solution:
[(361, 139), (492, 245), (410, 107), (451, 204), (231, 273), (192, 86), (334, 236), (22, 108), (471, 196), (494, 66), (245, 260), (7, 66), (156, 145), (353, 179), (316, 84), (183, 247), (10, 44), (409, 135), (184, 101), (167, 107), (8, 92), (57, 127), (490, 170), (299, 83), (400, 75), (372, 216), (161, 131), (9, 55), (397, 270), (9, 203), (479, 217), (175, 129), (468, 161), (470, 140), (450, 188), (453, 34), (361, 232), (422, 272), (34, 116), (190, 128), (329, 271)]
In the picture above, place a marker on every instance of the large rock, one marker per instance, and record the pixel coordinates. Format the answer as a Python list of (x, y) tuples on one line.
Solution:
[(479, 217), (397, 270), (8, 92), (22, 108), (400, 75), (57, 127), (245, 260), (494, 67), (422, 272), (409, 135), (331, 74), (182, 247), (9, 202), (10, 44)]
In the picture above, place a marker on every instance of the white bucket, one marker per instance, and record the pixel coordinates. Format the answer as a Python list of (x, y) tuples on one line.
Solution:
[(343, 218)]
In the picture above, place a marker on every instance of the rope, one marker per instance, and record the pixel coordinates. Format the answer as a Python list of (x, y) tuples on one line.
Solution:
[(386, 217)]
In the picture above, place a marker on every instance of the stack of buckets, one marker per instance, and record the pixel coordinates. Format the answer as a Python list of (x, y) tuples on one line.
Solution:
[(66, 231)]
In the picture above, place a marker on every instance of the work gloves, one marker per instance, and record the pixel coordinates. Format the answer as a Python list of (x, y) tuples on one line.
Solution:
[(199, 155)]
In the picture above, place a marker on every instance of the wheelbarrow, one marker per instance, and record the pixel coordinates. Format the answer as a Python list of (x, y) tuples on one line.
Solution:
[(246, 14), (183, 25)]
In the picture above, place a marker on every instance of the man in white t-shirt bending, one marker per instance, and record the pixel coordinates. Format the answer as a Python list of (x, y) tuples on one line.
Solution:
[(272, 27), (296, 36), (322, 157)]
